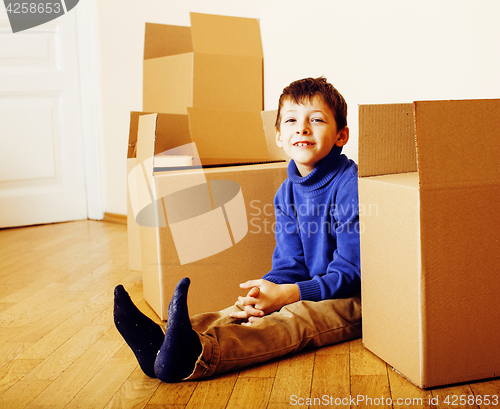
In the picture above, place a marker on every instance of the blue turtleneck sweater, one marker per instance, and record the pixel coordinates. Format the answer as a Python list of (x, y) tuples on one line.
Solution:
[(317, 230)]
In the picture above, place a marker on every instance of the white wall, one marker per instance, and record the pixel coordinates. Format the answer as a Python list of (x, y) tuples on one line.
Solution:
[(373, 51)]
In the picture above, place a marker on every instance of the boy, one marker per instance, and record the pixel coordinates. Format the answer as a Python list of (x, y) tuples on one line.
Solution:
[(310, 298)]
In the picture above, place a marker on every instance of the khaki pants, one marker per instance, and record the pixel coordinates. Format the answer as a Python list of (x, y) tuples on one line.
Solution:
[(227, 345)]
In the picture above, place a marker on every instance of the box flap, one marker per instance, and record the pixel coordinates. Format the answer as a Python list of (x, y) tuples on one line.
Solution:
[(171, 131), (222, 135), (457, 142), (170, 134), (133, 130), (386, 139), (146, 141), (213, 34), (168, 84), (227, 82), (161, 40)]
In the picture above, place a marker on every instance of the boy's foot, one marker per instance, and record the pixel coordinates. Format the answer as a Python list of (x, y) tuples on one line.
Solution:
[(142, 334), (181, 347)]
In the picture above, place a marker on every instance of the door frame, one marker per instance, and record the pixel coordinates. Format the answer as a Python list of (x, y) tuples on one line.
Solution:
[(91, 107)]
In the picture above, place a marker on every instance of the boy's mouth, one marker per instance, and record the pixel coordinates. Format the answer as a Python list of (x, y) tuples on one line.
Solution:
[(303, 143)]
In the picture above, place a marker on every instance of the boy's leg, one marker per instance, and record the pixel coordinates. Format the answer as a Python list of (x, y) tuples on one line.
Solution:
[(181, 346), (172, 356), (214, 343), (229, 346), (142, 334)]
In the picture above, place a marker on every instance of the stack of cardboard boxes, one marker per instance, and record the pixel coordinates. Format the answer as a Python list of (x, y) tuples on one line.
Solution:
[(203, 102), (428, 189)]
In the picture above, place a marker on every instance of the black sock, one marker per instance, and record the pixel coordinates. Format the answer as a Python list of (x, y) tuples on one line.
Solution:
[(181, 347), (142, 334)]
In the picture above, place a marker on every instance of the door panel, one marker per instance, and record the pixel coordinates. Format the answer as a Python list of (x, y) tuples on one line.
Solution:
[(42, 175)]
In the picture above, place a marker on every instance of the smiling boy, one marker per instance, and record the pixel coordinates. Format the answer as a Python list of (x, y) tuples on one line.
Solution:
[(310, 298), (308, 132)]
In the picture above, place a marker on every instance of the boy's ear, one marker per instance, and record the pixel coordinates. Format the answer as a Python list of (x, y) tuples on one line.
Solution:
[(279, 142), (343, 137)]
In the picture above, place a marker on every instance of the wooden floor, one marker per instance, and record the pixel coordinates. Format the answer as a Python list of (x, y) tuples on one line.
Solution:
[(59, 347)]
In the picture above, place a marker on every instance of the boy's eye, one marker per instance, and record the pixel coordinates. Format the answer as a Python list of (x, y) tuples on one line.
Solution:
[(317, 120), (289, 120)]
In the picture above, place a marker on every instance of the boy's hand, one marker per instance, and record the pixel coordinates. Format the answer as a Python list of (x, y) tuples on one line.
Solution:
[(249, 313), (265, 297)]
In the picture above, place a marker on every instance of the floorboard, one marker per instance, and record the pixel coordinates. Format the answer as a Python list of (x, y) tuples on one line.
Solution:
[(59, 347)]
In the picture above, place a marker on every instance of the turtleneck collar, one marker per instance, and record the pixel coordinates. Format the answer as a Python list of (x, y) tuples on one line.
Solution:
[(324, 171)]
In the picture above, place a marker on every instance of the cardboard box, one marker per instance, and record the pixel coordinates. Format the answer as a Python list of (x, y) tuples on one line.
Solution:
[(429, 184), (225, 227), (220, 138), (217, 63)]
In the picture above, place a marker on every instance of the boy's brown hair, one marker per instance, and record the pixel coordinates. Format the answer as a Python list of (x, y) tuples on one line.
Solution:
[(305, 89)]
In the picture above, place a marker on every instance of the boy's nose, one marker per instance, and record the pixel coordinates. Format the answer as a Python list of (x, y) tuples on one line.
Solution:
[(303, 130)]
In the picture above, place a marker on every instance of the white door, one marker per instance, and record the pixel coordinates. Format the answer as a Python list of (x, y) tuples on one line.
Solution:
[(42, 173)]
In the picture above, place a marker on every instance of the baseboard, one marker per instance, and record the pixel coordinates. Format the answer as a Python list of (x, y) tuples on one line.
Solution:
[(115, 218)]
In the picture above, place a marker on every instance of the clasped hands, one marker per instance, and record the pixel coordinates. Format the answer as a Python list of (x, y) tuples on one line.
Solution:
[(264, 297)]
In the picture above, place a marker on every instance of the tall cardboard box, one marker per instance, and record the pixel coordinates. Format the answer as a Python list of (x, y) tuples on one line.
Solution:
[(206, 84), (217, 63), (429, 186), (225, 226)]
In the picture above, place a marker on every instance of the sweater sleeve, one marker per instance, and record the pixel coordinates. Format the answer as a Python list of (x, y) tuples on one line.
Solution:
[(342, 277)]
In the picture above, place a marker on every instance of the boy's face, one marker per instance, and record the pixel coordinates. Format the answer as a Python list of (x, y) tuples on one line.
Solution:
[(308, 132)]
